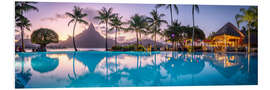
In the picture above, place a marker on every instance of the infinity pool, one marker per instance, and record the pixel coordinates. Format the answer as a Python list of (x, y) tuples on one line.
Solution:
[(122, 69)]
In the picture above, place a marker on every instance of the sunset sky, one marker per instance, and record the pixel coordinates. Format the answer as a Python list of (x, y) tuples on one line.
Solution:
[(52, 15)]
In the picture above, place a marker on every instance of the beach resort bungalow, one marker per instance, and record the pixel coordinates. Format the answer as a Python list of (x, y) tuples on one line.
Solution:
[(227, 37)]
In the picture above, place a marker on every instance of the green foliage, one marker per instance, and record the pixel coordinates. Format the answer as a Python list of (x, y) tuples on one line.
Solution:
[(77, 16), (198, 33), (171, 7), (105, 15), (117, 48), (21, 8), (129, 48), (138, 23), (44, 36), (249, 16), (141, 48), (116, 22), (155, 21), (177, 32)]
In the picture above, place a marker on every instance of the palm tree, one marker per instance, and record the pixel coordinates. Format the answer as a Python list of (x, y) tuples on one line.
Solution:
[(155, 23), (171, 7), (249, 16), (138, 24), (194, 8), (116, 24), (21, 21), (22, 7), (77, 16), (105, 15), (173, 33)]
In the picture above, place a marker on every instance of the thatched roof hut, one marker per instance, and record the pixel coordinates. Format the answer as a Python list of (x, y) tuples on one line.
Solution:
[(229, 29), (228, 36)]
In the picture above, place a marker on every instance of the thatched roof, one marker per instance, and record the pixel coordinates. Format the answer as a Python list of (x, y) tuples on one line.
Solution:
[(229, 29)]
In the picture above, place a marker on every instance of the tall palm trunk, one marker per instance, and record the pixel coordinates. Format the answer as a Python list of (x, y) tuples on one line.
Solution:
[(116, 37), (106, 45), (140, 33), (171, 14), (74, 72), (73, 38), (192, 29), (155, 41), (248, 38), (137, 38), (22, 68), (22, 32), (116, 63)]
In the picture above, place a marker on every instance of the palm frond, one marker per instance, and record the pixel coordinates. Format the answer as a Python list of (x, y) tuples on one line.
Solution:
[(176, 9), (196, 7), (82, 21), (159, 5), (72, 20)]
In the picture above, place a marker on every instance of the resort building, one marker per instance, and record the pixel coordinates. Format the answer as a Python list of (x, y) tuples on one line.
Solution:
[(226, 37)]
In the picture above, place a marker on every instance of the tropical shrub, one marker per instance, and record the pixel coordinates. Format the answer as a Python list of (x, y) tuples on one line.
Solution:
[(117, 48), (140, 48), (129, 48), (44, 36)]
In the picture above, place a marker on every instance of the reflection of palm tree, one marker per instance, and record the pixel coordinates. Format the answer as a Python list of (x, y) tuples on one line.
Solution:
[(105, 16), (116, 63), (177, 66), (22, 77), (76, 16), (107, 71), (74, 72)]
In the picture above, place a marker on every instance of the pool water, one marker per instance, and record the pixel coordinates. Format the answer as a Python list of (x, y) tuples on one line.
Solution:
[(124, 69)]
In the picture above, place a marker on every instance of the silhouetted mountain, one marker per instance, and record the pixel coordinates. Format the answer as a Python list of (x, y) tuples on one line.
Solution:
[(27, 43), (89, 38)]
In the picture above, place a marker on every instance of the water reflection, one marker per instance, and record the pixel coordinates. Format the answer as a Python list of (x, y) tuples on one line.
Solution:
[(22, 77), (43, 64), (87, 69)]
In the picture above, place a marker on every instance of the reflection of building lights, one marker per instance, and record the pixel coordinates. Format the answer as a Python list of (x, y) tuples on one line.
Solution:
[(169, 58), (232, 58), (172, 65)]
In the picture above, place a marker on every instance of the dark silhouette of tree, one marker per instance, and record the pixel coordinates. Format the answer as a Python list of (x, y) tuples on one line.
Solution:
[(155, 22), (249, 16), (116, 24), (77, 16), (21, 21), (105, 15), (44, 36)]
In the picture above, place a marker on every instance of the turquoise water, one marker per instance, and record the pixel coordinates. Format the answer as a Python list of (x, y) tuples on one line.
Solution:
[(121, 69)]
